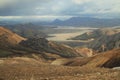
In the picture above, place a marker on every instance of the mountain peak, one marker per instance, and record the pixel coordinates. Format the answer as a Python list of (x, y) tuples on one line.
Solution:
[(57, 21)]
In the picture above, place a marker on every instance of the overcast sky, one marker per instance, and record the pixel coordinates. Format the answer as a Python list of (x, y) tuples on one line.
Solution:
[(51, 9)]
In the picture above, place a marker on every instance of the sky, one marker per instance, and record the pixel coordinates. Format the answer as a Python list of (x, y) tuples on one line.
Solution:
[(62, 9)]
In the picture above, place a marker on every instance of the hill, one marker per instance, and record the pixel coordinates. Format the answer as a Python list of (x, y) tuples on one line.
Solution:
[(95, 34), (105, 43), (9, 38), (101, 40), (107, 59)]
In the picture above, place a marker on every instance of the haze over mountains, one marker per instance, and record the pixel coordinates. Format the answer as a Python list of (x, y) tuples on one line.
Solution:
[(73, 21)]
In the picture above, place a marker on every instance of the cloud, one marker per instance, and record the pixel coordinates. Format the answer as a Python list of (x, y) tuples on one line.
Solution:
[(89, 8), (4, 3), (80, 1)]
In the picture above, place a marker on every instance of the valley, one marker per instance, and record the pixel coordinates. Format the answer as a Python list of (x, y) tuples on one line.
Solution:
[(67, 33), (64, 34)]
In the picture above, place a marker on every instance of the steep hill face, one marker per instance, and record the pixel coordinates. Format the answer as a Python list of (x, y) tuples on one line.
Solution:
[(105, 43), (9, 38), (96, 34)]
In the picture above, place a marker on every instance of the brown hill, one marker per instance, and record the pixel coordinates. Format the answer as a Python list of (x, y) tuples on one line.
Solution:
[(9, 38), (108, 59)]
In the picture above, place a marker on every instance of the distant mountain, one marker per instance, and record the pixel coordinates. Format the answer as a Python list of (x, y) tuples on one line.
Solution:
[(57, 21), (87, 22)]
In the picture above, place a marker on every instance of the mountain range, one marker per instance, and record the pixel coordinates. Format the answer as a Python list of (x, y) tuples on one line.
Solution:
[(73, 21), (87, 22)]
